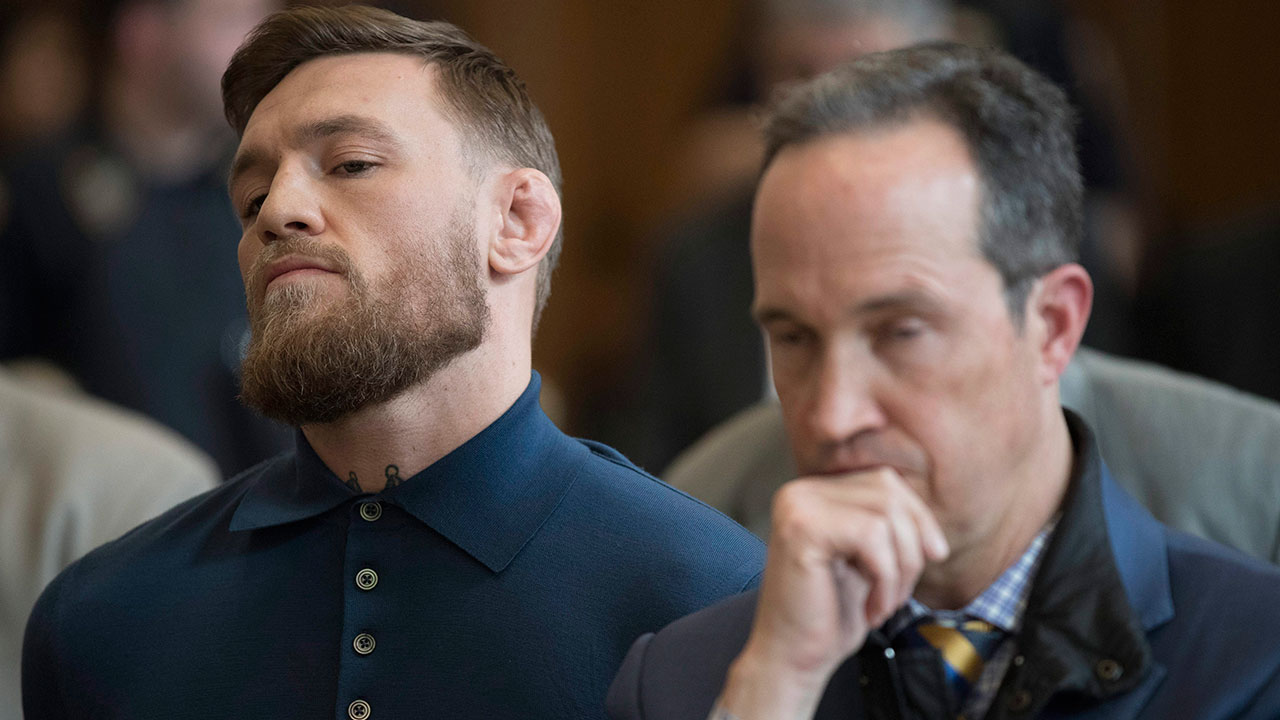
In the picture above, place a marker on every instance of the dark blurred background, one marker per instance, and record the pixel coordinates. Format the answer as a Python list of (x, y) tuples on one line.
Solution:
[(646, 342)]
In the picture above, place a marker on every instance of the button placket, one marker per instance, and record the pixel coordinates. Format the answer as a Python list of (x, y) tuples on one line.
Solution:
[(364, 605)]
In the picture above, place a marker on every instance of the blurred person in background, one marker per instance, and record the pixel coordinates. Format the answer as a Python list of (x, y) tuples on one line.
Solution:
[(75, 472), (115, 231), (434, 545), (1211, 305), (43, 71), (707, 359)]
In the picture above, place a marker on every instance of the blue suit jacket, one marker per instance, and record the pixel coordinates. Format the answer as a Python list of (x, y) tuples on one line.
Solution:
[(1196, 626)]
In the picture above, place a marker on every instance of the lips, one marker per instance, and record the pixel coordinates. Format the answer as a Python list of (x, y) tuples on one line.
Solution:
[(294, 263)]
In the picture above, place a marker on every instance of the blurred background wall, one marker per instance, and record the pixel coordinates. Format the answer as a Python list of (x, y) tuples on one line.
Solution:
[(1190, 89), (1186, 89)]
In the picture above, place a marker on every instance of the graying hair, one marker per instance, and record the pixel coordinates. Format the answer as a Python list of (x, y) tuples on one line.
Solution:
[(1018, 126)]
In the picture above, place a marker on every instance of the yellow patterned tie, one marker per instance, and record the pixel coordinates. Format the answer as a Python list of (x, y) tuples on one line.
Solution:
[(965, 649)]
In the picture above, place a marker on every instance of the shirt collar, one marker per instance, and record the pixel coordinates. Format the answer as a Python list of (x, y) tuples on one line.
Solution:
[(1002, 604), (489, 496)]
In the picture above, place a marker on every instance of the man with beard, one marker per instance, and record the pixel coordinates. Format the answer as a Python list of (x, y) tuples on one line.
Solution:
[(434, 546), (957, 548)]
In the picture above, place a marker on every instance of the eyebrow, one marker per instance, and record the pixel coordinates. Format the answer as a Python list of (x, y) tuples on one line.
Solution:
[(906, 299), (364, 126), (368, 127)]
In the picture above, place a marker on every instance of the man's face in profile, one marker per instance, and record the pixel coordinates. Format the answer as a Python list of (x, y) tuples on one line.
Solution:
[(362, 270), (890, 338)]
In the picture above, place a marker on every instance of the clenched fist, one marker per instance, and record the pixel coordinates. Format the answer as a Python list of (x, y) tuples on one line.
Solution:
[(845, 553)]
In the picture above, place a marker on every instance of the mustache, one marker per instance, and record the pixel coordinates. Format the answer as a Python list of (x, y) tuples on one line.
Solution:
[(302, 245)]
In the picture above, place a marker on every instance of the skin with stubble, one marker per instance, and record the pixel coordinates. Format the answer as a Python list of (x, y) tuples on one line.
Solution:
[(389, 267), (316, 362), (923, 415), (319, 353)]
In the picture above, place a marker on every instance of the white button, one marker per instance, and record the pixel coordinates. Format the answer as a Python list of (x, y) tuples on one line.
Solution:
[(371, 511), (359, 710), (364, 643), (366, 579)]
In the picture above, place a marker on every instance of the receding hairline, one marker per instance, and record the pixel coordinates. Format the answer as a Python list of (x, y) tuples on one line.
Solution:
[(353, 123), (431, 66)]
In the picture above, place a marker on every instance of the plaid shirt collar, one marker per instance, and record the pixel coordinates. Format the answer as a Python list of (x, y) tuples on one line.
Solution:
[(1002, 604)]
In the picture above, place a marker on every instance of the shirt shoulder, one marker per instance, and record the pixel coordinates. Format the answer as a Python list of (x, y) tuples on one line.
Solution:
[(665, 521), (169, 542)]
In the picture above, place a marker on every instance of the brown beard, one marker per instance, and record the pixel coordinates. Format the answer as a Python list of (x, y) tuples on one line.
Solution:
[(307, 364)]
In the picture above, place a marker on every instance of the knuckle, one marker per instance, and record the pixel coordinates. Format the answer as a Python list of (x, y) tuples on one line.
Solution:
[(789, 499), (912, 564), (878, 529), (878, 564), (793, 512)]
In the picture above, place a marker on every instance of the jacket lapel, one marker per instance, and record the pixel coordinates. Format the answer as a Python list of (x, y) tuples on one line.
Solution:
[(1102, 588)]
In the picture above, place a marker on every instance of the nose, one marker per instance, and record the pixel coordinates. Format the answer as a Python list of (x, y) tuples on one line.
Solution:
[(843, 401), (292, 207)]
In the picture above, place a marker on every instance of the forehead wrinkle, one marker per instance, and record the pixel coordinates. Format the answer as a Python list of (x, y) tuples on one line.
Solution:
[(366, 127), (910, 299), (887, 281)]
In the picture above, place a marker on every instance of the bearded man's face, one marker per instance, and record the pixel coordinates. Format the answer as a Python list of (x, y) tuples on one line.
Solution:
[(363, 272), (314, 359)]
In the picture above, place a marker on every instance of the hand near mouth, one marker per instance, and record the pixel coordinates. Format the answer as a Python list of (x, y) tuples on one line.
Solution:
[(846, 552)]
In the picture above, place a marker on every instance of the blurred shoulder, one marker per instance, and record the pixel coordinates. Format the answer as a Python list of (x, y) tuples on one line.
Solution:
[(678, 671)]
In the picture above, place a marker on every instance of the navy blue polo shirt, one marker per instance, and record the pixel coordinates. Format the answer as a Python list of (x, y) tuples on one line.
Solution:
[(507, 580)]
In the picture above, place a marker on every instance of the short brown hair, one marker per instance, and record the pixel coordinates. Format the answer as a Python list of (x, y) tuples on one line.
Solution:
[(484, 97)]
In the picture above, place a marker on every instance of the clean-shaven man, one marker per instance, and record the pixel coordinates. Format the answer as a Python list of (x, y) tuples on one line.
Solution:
[(956, 547)]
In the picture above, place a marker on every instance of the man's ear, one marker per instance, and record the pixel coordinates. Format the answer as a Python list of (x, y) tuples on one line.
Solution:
[(1061, 304), (529, 217)]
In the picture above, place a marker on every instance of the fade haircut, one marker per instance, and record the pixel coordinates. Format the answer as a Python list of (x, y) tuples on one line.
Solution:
[(1018, 126), (484, 98)]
